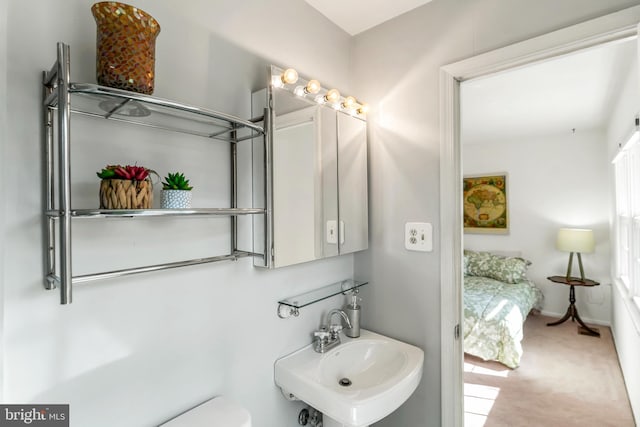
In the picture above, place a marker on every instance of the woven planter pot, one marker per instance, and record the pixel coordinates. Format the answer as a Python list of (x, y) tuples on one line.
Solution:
[(126, 194)]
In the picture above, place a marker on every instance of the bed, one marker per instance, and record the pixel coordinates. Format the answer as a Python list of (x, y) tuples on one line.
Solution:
[(498, 296)]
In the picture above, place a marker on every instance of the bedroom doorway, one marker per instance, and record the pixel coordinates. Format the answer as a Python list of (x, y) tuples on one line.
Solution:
[(539, 133), (615, 27)]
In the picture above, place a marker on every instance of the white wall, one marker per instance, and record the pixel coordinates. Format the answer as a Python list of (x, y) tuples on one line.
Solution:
[(136, 351), (397, 66), (3, 136), (626, 329), (554, 181)]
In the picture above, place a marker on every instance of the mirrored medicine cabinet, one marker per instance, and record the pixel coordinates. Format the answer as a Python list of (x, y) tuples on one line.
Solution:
[(318, 191)]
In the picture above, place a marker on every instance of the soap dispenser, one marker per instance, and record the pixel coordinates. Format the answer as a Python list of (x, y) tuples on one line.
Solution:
[(352, 310)]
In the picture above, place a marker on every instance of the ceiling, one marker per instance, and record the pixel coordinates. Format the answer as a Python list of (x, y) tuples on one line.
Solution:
[(576, 91), (356, 16)]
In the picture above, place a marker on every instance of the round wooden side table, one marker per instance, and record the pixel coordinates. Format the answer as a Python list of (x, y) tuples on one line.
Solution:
[(572, 311)]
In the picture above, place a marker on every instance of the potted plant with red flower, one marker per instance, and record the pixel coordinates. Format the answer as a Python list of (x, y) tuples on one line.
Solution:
[(125, 187)]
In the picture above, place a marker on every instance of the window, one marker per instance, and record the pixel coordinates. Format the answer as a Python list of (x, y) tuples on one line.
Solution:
[(627, 244)]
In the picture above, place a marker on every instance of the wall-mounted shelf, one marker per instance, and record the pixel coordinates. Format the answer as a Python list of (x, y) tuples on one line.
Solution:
[(146, 213), (121, 105), (292, 305), (235, 255), (61, 99)]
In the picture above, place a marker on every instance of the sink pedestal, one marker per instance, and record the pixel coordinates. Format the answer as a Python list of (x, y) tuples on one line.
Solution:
[(330, 422)]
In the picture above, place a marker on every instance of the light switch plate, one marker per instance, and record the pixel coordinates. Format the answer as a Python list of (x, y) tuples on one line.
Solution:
[(332, 231), (418, 236)]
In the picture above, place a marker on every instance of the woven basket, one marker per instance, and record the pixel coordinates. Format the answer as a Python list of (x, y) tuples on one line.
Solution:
[(126, 194)]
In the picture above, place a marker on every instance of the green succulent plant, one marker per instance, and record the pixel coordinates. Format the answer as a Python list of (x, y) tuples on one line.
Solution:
[(176, 181)]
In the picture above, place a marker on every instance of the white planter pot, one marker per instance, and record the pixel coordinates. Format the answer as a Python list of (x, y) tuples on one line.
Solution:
[(175, 199)]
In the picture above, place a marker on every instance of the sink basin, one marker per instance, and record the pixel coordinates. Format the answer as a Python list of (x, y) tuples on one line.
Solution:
[(357, 383)]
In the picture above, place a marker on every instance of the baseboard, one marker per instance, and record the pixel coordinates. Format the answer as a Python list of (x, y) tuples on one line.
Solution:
[(584, 319)]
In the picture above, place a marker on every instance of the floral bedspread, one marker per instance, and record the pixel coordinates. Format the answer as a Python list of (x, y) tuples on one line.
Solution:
[(494, 314)]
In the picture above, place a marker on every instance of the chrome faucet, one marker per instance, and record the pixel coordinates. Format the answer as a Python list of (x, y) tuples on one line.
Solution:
[(328, 336)]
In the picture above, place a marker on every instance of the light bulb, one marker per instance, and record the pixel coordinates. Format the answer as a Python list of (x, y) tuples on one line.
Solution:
[(364, 108), (332, 96), (349, 102), (299, 91), (289, 76), (312, 87)]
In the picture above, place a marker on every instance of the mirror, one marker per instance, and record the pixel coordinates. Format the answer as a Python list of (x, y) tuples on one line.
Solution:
[(319, 179), (352, 184)]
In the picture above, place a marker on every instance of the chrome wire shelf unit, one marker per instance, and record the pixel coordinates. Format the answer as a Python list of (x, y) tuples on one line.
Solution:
[(121, 105), (61, 99), (166, 266), (146, 213)]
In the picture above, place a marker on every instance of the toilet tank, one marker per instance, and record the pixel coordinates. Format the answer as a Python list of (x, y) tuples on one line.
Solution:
[(217, 412)]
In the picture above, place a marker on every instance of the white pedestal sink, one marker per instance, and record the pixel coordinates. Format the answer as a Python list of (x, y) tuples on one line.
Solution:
[(355, 384)]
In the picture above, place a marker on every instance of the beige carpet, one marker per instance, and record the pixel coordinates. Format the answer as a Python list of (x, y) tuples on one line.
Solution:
[(564, 379)]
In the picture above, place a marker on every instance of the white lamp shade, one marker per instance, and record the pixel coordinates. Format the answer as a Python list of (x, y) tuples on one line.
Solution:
[(575, 240)]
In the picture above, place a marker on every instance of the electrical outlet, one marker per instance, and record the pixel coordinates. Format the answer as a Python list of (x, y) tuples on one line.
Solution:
[(418, 236)]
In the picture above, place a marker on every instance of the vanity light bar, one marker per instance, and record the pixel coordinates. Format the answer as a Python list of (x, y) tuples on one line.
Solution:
[(290, 80)]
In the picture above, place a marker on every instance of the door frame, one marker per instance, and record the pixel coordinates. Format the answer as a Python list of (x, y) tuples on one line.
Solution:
[(614, 27)]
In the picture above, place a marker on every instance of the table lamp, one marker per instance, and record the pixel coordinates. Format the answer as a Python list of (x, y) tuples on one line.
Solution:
[(575, 240)]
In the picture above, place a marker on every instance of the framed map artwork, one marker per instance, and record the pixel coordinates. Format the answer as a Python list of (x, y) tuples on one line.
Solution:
[(485, 204)]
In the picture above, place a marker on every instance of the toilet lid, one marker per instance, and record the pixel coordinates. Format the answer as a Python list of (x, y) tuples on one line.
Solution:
[(217, 412)]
